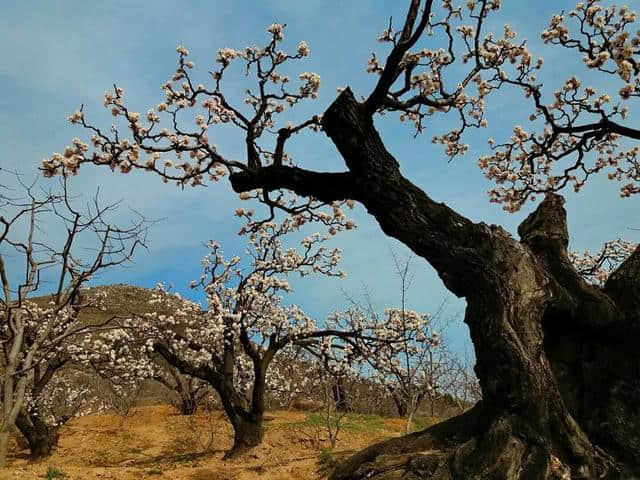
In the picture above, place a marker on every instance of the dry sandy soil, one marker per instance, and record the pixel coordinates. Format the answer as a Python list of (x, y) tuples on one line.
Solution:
[(154, 443)]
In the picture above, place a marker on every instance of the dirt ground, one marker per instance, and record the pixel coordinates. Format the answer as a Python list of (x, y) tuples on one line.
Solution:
[(155, 443)]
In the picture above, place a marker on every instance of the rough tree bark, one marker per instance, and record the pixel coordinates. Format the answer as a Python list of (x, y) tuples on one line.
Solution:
[(555, 356), (248, 431), (246, 417), (42, 439)]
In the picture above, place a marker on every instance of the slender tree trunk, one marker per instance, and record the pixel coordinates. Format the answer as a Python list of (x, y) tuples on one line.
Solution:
[(9, 394), (189, 393), (340, 396), (407, 423), (13, 397), (42, 439), (188, 396), (401, 405), (5, 434), (555, 356), (188, 405)]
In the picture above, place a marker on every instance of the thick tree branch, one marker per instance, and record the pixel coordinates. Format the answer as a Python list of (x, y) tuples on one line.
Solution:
[(326, 187), (202, 372)]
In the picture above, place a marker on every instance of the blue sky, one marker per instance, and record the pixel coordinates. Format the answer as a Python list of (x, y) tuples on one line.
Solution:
[(60, 54)]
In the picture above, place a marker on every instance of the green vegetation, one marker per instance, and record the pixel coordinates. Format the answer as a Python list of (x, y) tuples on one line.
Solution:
[(54, 473), (422, 422), (326, 463), (351, 421)]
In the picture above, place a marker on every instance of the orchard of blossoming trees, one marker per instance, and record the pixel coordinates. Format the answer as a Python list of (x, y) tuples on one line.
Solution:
[(235, 343), (247, 345), (414, 365), (556, 354)]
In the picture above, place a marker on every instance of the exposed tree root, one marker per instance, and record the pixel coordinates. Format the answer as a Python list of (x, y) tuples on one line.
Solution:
[(471, 447)]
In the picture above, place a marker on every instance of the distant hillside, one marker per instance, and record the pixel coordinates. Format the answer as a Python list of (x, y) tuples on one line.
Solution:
[(121, 299)]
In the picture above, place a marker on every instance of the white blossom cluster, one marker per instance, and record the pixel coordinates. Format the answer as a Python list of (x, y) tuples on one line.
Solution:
[(428, 86), (57, 337), (400, 349), (574, 136), (117, 355), (290, 375), (597, 267), (580, 134), (173, 138), (184, 154), (577, 133), (63, 398)]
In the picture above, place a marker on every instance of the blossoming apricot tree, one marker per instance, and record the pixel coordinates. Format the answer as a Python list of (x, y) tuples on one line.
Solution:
[(404, 357), (596, 268), (555, 355), (232, 343), (55, 397), (408, 357)]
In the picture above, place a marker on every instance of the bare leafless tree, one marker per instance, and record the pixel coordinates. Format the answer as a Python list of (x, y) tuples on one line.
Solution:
[(42, 288)]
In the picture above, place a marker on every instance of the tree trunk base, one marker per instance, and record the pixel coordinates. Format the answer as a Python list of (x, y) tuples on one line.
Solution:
[(43, 448), (247, 435), (474, 447), (42, 439)]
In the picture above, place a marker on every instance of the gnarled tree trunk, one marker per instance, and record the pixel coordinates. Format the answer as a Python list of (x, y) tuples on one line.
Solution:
[(246, 417), (42, 439), (555, 356)]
